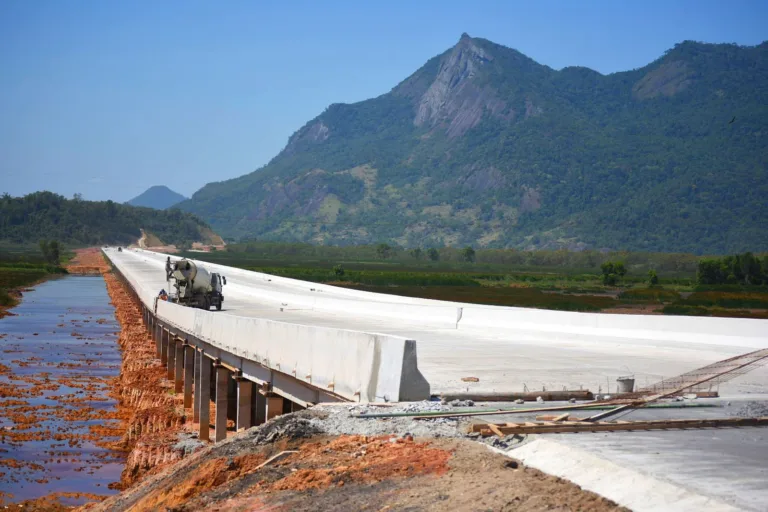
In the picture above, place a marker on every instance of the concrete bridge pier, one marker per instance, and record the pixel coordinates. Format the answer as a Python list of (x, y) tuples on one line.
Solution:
[(198, 355), (178, 373), (163, 336), (171, 355), (258, 408), (274, 406), (189, 373), (232, 397), (223, 378), (203, 398), (244, 404)]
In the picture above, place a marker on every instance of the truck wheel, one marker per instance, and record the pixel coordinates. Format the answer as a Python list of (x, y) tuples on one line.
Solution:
[(218, 306)]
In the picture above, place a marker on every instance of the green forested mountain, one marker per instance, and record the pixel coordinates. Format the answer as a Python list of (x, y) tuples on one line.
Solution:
[(484, 146), (44, 215), (159, 197)]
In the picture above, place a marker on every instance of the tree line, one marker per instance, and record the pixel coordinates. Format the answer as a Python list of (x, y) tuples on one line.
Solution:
[(743, 269)]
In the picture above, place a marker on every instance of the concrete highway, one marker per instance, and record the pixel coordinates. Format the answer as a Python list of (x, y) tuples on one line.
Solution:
[(504, 358)]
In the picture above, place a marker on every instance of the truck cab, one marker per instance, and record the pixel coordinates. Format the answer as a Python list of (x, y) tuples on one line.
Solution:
[(217, 287)]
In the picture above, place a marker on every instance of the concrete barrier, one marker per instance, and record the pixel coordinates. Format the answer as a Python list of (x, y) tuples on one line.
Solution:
[(356, 365)]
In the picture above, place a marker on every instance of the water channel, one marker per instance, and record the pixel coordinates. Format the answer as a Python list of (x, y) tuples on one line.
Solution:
[(58, 354)]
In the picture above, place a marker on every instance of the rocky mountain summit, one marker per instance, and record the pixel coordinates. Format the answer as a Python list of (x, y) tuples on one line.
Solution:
[(484, 146)]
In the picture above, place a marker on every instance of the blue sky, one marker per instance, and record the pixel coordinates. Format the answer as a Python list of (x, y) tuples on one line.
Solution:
[(107, 98)]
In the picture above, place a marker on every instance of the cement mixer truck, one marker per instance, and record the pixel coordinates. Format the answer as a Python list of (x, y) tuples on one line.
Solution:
[(194, 286)]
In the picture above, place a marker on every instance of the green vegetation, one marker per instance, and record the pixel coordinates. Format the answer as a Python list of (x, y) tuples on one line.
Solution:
[(612, 272), (643, 160), (75, 222), (20, 267), (541, 279), (745, 269)]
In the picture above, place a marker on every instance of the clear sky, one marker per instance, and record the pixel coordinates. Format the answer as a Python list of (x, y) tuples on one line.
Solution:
[(108, 97)]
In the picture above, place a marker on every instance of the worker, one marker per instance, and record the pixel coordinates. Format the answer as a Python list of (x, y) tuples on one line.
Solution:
[(168, 270), (163, 295)]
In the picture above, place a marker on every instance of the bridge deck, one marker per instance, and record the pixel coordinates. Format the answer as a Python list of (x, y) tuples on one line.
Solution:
[(504, 359)]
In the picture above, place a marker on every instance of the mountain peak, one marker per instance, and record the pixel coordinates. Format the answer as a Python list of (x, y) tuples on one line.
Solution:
[(453, 98), (158, 197)]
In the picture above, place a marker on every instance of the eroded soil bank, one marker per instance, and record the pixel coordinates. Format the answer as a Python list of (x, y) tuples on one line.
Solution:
[(291, 464)]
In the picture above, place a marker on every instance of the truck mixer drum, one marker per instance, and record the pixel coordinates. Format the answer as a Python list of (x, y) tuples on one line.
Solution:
[(195, 286)]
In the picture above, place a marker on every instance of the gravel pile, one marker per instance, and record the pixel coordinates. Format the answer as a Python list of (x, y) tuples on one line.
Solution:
[(752, 410), (338, 420)]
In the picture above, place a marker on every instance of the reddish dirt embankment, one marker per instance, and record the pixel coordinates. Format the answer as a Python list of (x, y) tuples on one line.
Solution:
[(154, 415), (88, 261), (288, 465)]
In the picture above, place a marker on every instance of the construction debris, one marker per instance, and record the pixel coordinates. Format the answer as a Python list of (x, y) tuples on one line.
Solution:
[(555, 426), (528, 396)]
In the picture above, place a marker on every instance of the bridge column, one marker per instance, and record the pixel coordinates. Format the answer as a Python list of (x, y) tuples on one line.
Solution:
[(244, 401), (232, 398), (164, 335), (178, 376), (203, 398), (158, 337), (274, 406), (258, 409), (189, 372), (198, 355), (222, 401), (171, 348)]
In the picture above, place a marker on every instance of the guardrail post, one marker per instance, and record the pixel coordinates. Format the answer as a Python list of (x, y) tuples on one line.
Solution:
[(244, 401), (222, 401), (189, 372), (204, 398), (178, 376)]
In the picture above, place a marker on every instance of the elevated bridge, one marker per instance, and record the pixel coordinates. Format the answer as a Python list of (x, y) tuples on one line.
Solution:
[(281, 344)]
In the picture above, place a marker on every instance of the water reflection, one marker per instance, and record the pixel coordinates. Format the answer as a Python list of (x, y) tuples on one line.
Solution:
[(57, 420)]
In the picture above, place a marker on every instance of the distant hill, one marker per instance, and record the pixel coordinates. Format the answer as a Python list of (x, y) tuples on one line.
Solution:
[(44, 215), (485, 146), (158, 197)]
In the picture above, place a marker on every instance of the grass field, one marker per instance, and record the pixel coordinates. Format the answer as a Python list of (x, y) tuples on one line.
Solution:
[(547, 287)]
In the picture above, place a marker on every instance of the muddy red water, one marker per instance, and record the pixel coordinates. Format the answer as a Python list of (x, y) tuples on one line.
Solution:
[(58, 355)]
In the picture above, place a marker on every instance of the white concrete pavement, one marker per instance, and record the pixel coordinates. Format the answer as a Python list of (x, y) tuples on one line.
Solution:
[(506, 348)]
